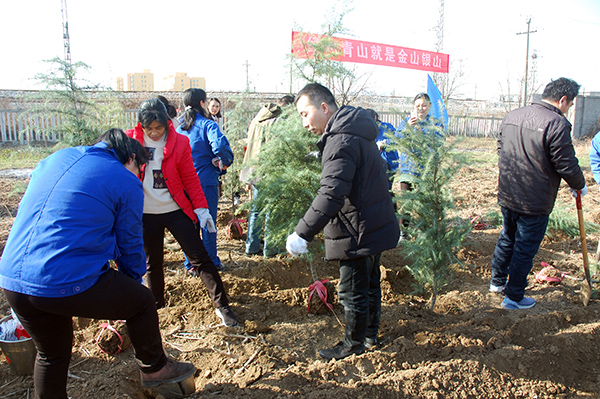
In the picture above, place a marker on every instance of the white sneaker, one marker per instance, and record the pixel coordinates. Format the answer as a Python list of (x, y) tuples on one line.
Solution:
[(497, 288)]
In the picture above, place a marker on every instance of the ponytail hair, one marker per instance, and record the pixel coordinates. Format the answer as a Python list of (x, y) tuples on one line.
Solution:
[(171, 111), (191, 102)]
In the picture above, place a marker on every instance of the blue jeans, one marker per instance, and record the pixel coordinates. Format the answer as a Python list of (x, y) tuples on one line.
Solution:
[(255, 230), (359, 291), (517, 245), (209, 239)]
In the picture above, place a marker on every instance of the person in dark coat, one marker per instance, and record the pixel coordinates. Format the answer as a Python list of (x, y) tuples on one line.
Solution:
[(353, 207), (534, 153)]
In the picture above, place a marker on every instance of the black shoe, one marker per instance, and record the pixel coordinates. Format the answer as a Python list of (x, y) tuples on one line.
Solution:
[(227, 317), (340, 351), (370, 343)]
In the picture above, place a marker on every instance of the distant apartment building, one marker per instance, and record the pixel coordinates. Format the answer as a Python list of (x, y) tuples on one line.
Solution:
[(180, 82), (140, 81), (120, 84)]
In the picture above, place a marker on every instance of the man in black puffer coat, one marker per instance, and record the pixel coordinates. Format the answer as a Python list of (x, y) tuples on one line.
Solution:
[(534, 153), (353, 206)]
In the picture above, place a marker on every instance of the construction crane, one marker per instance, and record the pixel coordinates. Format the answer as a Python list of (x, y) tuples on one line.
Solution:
[(65, 24)]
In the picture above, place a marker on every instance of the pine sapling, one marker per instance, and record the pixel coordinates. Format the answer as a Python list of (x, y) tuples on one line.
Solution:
[(289, 172), (434, 235)]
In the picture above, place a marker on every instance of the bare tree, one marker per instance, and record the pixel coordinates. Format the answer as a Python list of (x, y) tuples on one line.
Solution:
[(450, 83), (345, 82), (511, 100)]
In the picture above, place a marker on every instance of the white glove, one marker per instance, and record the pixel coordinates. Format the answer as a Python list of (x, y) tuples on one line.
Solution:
[(584, 191), (205, 219), (380, 144), (216, 161), (296, 245)]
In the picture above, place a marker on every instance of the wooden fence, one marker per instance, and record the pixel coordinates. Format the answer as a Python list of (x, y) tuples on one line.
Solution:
[(468, 126), (474, 126), (24, 128)]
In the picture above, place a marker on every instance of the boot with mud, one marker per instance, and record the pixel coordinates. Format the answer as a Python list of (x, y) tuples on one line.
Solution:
[(171, 373)]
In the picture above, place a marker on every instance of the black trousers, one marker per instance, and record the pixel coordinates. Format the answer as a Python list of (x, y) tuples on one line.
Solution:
[(187, 234), (49, 322), (359, 291)]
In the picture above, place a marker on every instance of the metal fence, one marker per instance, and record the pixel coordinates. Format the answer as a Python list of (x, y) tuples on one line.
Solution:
[(24, 128)]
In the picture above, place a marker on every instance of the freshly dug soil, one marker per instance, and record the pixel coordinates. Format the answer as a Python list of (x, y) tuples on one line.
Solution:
[(467, 347)]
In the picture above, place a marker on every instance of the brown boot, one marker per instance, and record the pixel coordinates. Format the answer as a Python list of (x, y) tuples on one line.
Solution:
[(171, 373)]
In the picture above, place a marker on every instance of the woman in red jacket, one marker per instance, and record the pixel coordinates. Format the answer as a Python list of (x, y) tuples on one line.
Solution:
[(173, 199)]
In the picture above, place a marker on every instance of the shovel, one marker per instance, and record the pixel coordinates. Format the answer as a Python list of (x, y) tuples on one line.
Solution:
[(586, 284)]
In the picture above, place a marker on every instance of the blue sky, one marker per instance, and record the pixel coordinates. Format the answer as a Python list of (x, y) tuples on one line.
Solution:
[(215, 39)]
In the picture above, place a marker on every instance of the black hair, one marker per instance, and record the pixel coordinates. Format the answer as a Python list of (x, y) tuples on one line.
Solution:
[(560, 87), (125, 147), (171, 110), (423, 96), (191, 101), (285, 100), (153, 110), (373, 113), (318, 94), (218, 114)]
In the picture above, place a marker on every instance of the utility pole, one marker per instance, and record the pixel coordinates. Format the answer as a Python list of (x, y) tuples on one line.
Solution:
[(291, 77), (65, 24), (526, 59), (440, 79), (439, 45), (247, 78)]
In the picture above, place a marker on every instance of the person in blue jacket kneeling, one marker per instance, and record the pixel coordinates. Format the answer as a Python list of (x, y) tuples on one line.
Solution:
[(83, 207)]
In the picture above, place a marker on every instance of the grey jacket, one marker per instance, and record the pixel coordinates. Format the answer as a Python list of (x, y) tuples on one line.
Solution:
[(353, 205), (535, 151)]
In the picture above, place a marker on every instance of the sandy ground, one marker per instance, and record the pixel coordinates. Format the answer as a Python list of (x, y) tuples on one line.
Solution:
[(468, 347)]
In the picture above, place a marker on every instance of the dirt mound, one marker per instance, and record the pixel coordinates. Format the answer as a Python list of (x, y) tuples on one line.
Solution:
[(467, 347)]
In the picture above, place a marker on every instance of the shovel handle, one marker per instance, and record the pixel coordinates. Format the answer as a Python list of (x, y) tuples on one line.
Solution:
[(586, 267)]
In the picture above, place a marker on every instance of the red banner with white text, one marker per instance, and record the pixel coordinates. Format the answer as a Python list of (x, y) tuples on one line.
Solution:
[(374, 53)]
